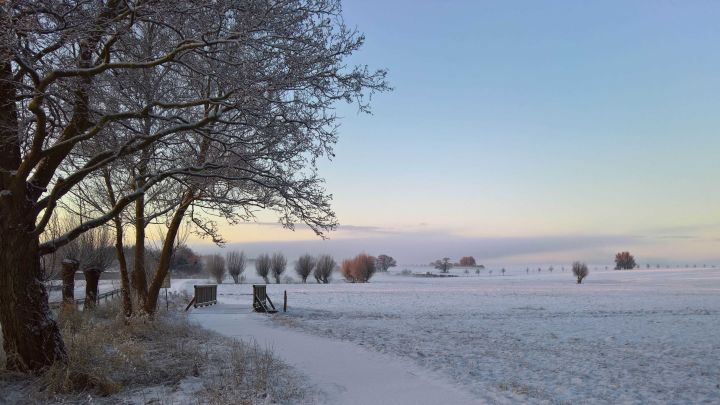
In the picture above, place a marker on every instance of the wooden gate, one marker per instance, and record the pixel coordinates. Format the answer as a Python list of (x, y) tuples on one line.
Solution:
[(205, 295), (261, 300)]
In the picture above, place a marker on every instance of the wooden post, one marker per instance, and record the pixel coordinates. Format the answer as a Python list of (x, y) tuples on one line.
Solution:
[(285, 301)]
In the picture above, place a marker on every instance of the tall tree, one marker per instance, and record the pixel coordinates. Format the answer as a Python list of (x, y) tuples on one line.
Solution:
[(254, 84)]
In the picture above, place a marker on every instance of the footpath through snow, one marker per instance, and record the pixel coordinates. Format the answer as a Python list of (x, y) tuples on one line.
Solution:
[(345, 372)]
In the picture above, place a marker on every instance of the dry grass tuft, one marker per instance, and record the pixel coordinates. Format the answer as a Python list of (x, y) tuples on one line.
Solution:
[(117, 358)]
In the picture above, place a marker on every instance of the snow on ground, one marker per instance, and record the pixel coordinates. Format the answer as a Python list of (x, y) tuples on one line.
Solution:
[(641, 336), (344, 372)]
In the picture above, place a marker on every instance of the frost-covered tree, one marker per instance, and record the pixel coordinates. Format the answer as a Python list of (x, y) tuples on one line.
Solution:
[(359, 269), (467, 261), (235, 264), (238, 108), (324, 268), (443, 264), (384, 262), (215, 266), (304, 266), (278, 264), (262, 266), (624, 261), (580, 271)]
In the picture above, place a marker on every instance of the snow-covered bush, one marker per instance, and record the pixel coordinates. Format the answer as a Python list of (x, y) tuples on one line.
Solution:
[(278, 264), (358, 269), (262, 266), (215, 266), (580, 271), (324, 268), (304, 266), (235, 264)]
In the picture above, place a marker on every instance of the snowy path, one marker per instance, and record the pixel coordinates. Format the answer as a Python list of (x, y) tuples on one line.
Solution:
[(345, 372)]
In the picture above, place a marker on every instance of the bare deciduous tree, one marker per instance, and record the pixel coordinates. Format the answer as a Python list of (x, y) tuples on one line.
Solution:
[(235, 264), (324, 268), (237, 109), (215, 266), (359, 269), (262, 266), (278, 264), (384, 262), (304, 266), (580, 271), (443, 265)]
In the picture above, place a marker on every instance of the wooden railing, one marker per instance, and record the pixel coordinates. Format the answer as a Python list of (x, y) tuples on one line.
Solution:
[(205, 295), (106, 295), (261, 300)]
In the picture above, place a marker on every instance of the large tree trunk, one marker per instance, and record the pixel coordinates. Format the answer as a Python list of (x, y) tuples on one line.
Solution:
[(120, 251), (69, 268), (92, 278), (31, 339), (166, 254), (139, 278), (122, 262)]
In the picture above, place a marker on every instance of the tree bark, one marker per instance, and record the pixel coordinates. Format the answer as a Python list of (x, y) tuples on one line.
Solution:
[(139, 278), (69, 268), (120, 251), (92, 277), (31, 339), (166, 253)]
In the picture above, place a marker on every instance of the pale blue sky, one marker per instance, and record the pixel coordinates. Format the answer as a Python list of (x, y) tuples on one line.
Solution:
[(538, 119)]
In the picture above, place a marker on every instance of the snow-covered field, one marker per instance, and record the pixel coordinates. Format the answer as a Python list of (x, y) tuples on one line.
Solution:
[(641, 336)]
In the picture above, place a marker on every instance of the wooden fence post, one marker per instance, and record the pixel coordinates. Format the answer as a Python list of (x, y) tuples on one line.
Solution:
[(285, 301)]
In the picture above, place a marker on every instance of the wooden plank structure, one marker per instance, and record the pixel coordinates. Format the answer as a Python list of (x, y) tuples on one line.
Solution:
[(261, 300), (205, 294), (106, 295)]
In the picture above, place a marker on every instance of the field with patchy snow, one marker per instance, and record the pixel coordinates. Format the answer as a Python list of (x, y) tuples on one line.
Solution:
[(636, 336)]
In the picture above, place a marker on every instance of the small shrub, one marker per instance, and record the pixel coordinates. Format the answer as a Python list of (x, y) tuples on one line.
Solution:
[(324, 268), (406, 272), (359, 269), (580, 271), (262, 266), (215, 266), (304, 266)]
